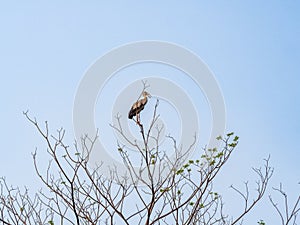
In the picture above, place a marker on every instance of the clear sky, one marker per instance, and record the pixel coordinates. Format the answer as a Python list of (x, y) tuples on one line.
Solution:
[(252, 47)]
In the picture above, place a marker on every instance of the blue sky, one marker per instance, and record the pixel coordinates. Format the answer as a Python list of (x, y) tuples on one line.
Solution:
[(252, 47)]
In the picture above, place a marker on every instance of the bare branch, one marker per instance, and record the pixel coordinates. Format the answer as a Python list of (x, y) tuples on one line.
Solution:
[(286, 216)]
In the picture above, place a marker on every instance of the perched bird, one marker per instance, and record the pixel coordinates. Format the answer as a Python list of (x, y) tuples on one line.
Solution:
[(138, 106)]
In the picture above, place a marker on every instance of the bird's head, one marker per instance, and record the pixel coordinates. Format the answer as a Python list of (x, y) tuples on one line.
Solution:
[(146, 94)]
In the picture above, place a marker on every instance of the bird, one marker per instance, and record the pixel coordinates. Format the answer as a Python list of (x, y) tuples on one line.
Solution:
[(138, 106)]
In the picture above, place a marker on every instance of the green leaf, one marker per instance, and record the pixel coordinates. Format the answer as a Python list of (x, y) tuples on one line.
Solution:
[(230, 134), (179, 171), (164, 189), (219, 138), (236, 138), (261, 222), (219, 155), (232, 145)]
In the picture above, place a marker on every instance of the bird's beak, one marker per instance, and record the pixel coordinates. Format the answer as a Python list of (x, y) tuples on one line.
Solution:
[(149, 95)]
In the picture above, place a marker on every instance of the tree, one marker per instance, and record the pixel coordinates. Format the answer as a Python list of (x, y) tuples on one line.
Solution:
[(160, 191)]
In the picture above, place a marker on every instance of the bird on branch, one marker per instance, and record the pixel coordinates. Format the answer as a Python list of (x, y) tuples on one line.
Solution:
[(138, 106)]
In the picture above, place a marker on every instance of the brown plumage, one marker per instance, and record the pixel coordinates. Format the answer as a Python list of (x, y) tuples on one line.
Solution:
[(138, 106)]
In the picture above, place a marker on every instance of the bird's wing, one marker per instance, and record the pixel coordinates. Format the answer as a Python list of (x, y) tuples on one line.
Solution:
[(136, 108)]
